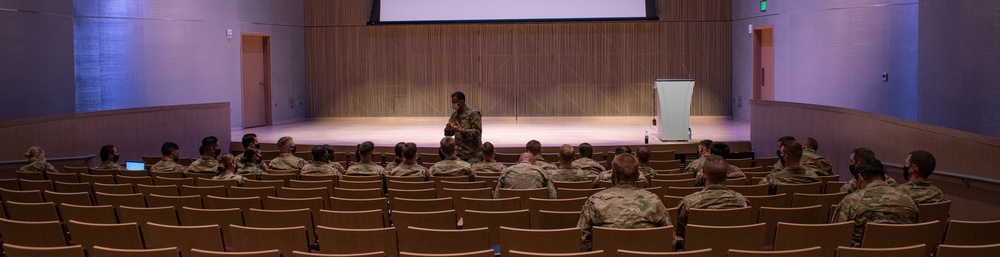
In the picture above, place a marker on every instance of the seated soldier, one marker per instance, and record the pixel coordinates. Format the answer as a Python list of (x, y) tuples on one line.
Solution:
[(253, 163), (919, 166), (792, 173), (36, 161), (489, 163), (451, 165), (339, 169), (721, 150), (714, 173), (227, 169), (365, 166), (206, 163), (645, 172), (249, 141), (704, 149), (876, 202), (320, 164), (587, 162), (398, 157), (566, 171), (534, 147), (286, 159), (813, 160), (409, 167), (623, 205), (860, 155), (171, 152), (109, 159), (524, 175)]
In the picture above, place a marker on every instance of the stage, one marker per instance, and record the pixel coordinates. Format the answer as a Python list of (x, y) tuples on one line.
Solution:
[(501, 131)]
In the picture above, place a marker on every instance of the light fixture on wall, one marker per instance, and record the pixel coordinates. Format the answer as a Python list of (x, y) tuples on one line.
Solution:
[(229, 33)]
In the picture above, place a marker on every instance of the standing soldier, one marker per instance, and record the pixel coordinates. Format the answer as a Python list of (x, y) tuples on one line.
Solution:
[(466, 124)]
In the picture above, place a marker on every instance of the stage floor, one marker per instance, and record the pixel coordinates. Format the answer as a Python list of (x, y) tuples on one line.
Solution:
[(502, 131)]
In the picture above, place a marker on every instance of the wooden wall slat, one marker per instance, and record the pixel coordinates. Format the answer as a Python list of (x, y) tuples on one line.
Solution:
[(513, 69)]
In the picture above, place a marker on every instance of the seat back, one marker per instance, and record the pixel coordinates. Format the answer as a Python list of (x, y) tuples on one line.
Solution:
[(250, 192), (574, 185), (790, 236), (456, 194), (163, 190), (99, 251), (539, 240), (972, 232), (206, 182), (173, 181), (103, 214), (935, 211), (967, 250), (23, 196), (900, 235), (165, 215), (636, 239), (824, 200), (113, 188), (690, 182), (421, 205), (286, 239), (799, 215), (193, 201), (805, 252), (121, 236), (429, 193), (264, 183), (432, 220), (686, 253), (206, 253), (906, 251), (66, 187), (45, 211), (203, 191), (220, 217), (723, 238), (12, 250), (423, 240), (557, 219), (576, 193), (363, 240), (280, 219), (342, 204), (722, 217), (134, 200), (33, 233), (683, 191), (206, 237), (40, 185), (791, 189), (535, 205), (408, 183), (242, 203), (357, 193), (524, 194), (103, 179), (351, 219), (78, 198), (495, 220)]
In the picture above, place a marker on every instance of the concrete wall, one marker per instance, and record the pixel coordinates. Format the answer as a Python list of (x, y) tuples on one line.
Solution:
[(36, 58), (133, 54), (832, 52)]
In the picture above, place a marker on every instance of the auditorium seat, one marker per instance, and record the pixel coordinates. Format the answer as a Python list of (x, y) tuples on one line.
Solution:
[(155, 200), (64, 187), (972, 232), (173, 181), (263, 183), (664, 165), (122, 235), (674, 176), (206, 237), (566, 193), (682, 191), (488, 204), (40, 185), (421, 205), (446, 219), (363, 240), (723, 217), (405, 179), (495, 220), (350, 219), (799, 215), (357, 193), (250, 192), (12, 250), (45, 211), (688, 182), (242, 203), (791, 189), (9, 184), (671, 201), (23, 196), (279, 175), (408, 183), (134, 200), (945, 250), (741, 163), (33, 233), (76, 170), (778, 200), (204, 182), (203, 191), (167, 174), (361, 178), (284, 239), (206, 253), (833, 186), (102, 214), (299, 193), (635, 239), (900, 235), (805, 252), (306, 254), (428, 193), (696, 253), (134, 180), (441, 185), (438, 179), (535, 205), (574, 185), (99, 251), (524, 194), (824, 200), (935, 211), (161, 190), (280, 219), (104, 172), (328, 180), (458, 194), (79, 198), (723, 238), (906, 251), (221, 217), (328, 184), (424, 240), (789, 236), (516, 253), (64, 177), (113, 188), (133, 173), (557, 219), (539, 240), (162, 215), (750, 190), (23, 175), (344, 204)]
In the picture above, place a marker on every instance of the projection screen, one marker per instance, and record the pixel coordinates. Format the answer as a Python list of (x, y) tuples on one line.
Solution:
[(456, 11)]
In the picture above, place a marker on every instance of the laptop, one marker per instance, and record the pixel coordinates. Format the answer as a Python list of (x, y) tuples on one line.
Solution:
[(135, 165)]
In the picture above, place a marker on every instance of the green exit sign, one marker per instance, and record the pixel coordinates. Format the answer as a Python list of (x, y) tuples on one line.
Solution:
[(763, 5)]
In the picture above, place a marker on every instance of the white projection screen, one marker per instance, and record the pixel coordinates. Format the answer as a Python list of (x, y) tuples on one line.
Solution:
[(456, 11)]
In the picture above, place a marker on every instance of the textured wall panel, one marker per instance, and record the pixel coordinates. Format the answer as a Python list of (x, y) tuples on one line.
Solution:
[(36, 58)]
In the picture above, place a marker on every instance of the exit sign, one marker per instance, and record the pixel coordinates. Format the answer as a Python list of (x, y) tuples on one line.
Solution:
[(763, 5)]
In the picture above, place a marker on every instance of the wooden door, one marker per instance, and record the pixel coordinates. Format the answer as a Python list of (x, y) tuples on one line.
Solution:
[(255, 69), (763, 64)]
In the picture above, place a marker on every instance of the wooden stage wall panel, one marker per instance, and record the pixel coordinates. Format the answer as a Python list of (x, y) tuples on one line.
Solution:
[(514, 69)]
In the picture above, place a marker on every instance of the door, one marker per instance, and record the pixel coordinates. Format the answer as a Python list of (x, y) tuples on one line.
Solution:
[(763, 64), (255, 68)]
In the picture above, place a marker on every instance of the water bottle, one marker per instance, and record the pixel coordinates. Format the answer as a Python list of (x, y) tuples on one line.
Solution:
[(647, 137), (689, 134)]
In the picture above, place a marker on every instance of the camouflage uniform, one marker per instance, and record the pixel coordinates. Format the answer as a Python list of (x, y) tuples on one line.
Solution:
[(731, 172), (589, 165), (568, 174), (488, 166), (392, 165), (694, 166), (790, 175), (622, 206), (252, 169), (167, 165), (818, 163), (337, 167), (524, 176), (240, 160), (712, 197), (545, 165), (451, 167), (646, 171), (318, 168), (852, 185), (877, 203), (287, 161), (38, 166), (109, 165), (365, 168), (227, 175), (410, 170), (471, 138), (921, 192), (204, 164)]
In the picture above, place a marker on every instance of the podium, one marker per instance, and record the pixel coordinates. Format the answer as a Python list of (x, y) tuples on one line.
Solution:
[(673, 108)]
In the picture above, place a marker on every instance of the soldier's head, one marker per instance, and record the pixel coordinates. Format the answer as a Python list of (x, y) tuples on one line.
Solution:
[(399, 151), (319, 153), (566, 155), (625, 169), (920, 163), (227, 162), (526, 157), (703, 147), (782, 141), (170, 149), (860, 154), (719, 149), (622, 149), (329, 152), (533, 147), (250, 140), (448, 146), (792, 154), (109, 153), (458, 100), (643, 154), (410, 152), (35, 153), (810, 143), (286, 145), (586, 150), (365, 150), (489, 152), (252, 155), (715, 170), (210, 147), (869, 171)]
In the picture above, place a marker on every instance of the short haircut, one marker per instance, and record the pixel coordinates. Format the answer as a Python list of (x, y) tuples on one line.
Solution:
[(870, 169), (706, 143), (448, 146), (488, 149), (207, 142), (366, 148), (794, 151), (623, 149), (786, 138), (586, 150), (715, 169), (526, 157), (643, 154), (107, 150), (169, 148), (329, 148), (284, 142), (719, 149), (924, 161), (811, 144), (319, 153), (398, 149), (566, 153), (533, 147), (458, 95), (410, 151), (625, 167), (248, 139), (863, 153), (249, 153)]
